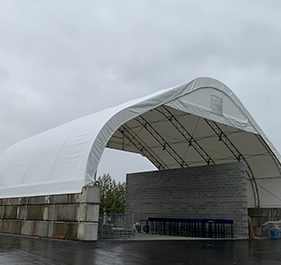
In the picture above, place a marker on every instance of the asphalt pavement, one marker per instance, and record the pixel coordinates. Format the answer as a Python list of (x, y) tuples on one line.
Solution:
[(28, 250)]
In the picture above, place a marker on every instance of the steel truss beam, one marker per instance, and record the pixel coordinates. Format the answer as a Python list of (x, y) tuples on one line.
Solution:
[(165, 145), (185, 134), (143, 150), (238, 156)]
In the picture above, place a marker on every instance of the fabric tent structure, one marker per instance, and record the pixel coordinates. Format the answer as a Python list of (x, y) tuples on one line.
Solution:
[(197, 123)]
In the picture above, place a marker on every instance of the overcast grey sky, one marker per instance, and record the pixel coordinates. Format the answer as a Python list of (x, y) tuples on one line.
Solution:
[(63, 59)]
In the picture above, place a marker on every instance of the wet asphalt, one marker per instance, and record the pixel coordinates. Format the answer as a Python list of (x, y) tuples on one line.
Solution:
[(26, 250)]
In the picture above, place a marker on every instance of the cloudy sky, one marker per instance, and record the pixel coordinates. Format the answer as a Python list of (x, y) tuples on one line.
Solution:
[(63, 59)]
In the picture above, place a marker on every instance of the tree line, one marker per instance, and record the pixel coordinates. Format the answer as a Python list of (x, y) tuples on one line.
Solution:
[(113, 195)]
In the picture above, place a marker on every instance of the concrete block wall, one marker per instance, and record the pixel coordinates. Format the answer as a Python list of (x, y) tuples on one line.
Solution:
[(70, 216), (211, 192)]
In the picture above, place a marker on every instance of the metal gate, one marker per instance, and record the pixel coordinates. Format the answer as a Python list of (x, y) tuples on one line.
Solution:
[(116, 226)]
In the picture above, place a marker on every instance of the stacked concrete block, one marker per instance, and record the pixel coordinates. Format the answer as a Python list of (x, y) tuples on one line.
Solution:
[(27, 227), (207, 192), (41, 228), (70, 216), (71, 231), (58, 229), (87, 231)]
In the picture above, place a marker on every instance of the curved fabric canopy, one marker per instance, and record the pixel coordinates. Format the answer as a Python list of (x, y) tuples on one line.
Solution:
[(198, 123)]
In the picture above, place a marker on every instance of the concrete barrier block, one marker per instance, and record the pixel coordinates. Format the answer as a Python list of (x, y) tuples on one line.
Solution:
[(41, 228), (34, 212), (71, 230), (49, 213), (27, 227), (66, 212), (88, 231), (10, 212), (5, 226), (74, 198), (14, 226), (48, 199), (15, 201), (57, 229), (59, 199), (46, 213), (8, 201), (89, 212), (53, 213), (20, 212), (91, 194), (22, 200), (18, 201), (2, 211), (32, 200), (43, 200)]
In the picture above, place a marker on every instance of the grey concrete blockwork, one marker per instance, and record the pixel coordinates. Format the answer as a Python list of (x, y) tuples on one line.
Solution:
[(58, 229), (88, 212), (87, 231), (71, 230), (66, 212), (5, 226), (211, 192), (10, 212), (90, 196), (70, 216), (15, 227), (35, 212), (27, 228), (41, 228)]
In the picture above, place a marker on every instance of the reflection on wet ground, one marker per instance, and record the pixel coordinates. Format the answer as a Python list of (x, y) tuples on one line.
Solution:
[(24, 250)]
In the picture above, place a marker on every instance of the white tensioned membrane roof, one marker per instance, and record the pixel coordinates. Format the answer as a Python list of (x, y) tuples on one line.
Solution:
[(198, 123)]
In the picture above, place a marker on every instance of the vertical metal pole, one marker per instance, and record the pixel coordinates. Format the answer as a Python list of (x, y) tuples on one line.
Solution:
[(79, 215), (53, 217), (25, 211)]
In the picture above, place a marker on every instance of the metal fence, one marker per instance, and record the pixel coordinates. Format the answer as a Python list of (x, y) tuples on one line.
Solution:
[(116, 226), (207, 228)]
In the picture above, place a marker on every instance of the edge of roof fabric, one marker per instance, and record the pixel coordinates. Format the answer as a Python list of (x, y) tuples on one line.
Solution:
[(64, 159), (169, 97)]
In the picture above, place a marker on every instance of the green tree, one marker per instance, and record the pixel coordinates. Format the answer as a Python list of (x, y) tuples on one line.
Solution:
[(113, 195)]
